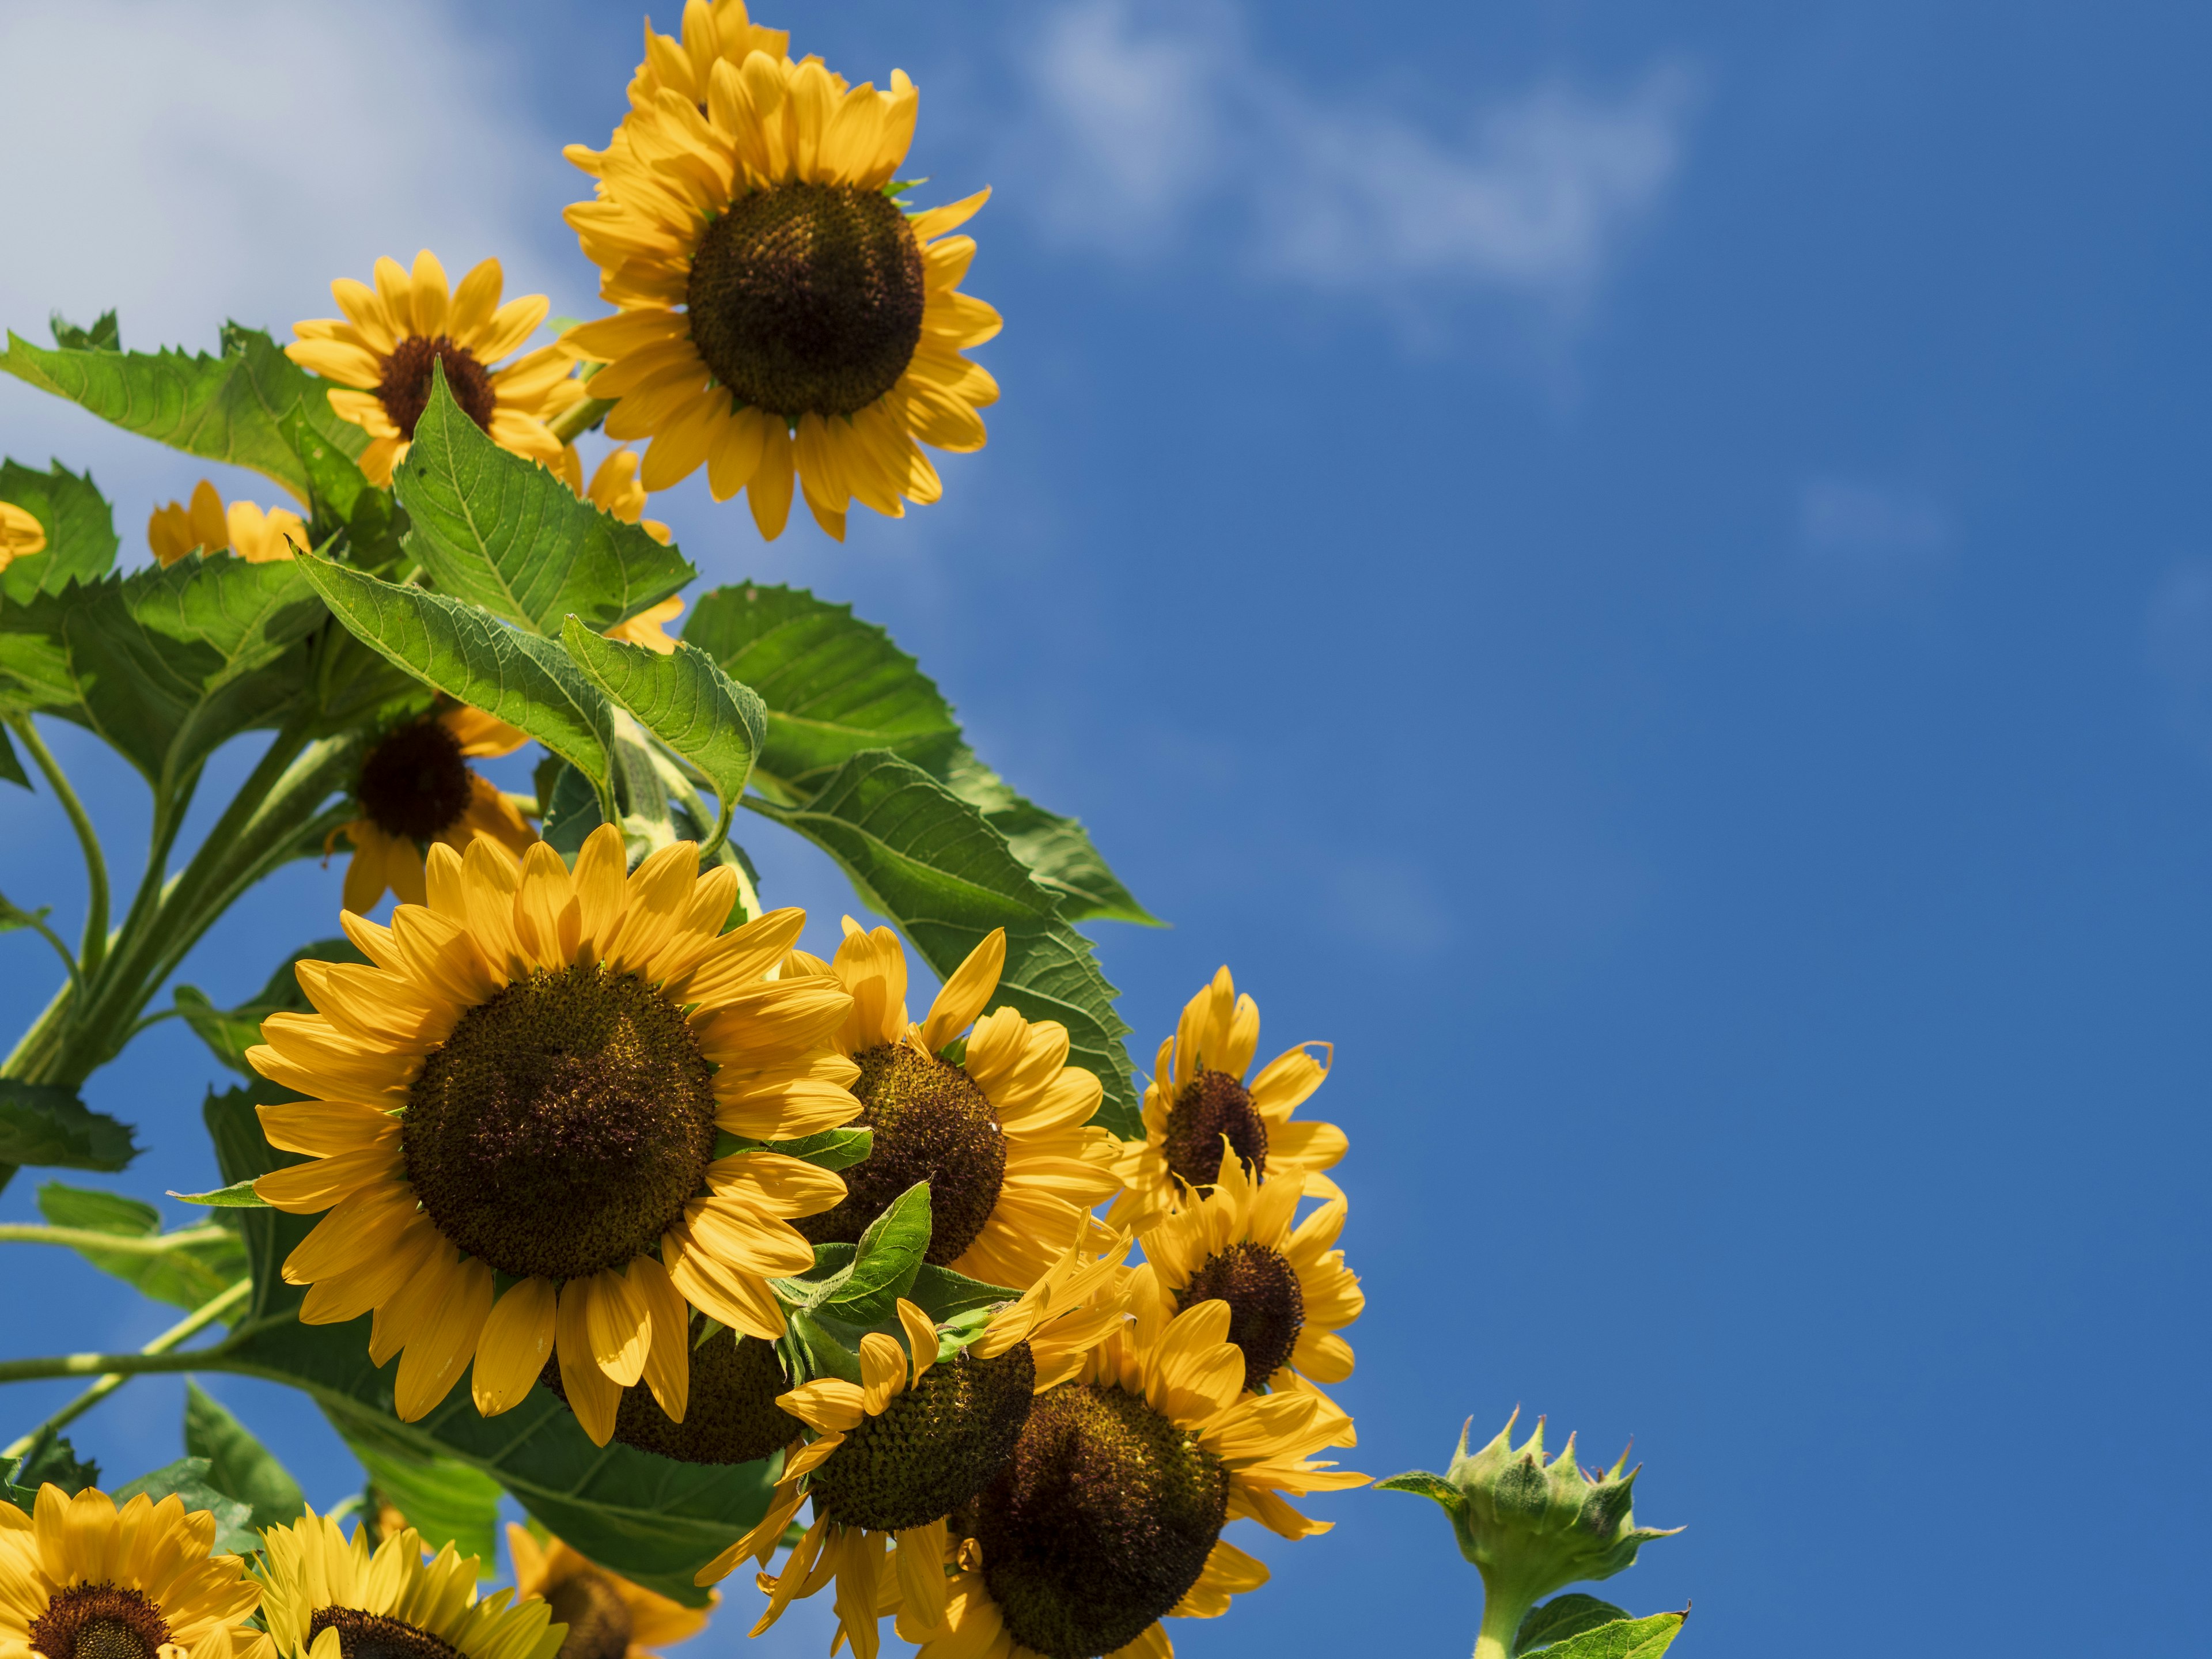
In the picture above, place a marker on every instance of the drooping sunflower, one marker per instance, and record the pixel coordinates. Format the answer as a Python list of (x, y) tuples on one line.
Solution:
[(82, 1579), (1288, 1290), (1199, 1094), (915, 1441), (1000, 1135), (1109, 1516), (20, 534), (416, 788), (607, 1616), (326, 1596), (528, 1082), (380, 353), (780, 312), (208, 526), (614, 489)]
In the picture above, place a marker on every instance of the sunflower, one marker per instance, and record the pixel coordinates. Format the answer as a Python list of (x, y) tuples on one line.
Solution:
[(1109, 1516), (1288, 1290), (915, 1441), (417, 786), (1198, 1095), (615, 488), (607, 1616), (378, 355), (529, 1083), (20, 534), (779, 310), (326, 1597), (721, 29), (1000, 1134), (208, 526), (82, 1579)]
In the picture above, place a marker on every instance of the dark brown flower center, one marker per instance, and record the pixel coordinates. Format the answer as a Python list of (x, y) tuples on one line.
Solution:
[(1211, 1105), (405, 390), (414, 782), (932, 1123), (732, 1416), (1266, 1308), (99, 1621), (807, 298), (1101, 1521), (597, 1617), (935, 1446), (372, 1636), (563, 1126)]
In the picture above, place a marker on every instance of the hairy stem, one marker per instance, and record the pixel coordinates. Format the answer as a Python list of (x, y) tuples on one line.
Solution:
[(216, 1308)]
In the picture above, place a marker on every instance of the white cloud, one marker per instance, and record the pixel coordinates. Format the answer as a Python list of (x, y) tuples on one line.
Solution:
[(1842, 522), (1142, 125), (190, 160)]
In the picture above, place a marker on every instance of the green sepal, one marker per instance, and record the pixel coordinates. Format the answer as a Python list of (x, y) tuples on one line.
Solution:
[(237, 1463), (46, 1124), (184, 1277), (187, 1479), (503, 533)]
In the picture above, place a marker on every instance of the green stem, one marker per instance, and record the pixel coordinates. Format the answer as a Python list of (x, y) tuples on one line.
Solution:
[(200, 1319), (60, 950), (573, 423), (105, 1364), (1501, 1623), (95, 862), (88, 1238)]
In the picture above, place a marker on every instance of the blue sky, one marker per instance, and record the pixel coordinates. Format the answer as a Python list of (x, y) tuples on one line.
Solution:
[(1645, 572)]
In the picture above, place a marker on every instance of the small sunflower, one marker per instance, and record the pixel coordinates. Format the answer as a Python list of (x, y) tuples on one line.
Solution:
[(416, 788), (1199, 1094), (1288, 1290), (526, 1091), (380, 353), (326, 1597), (779, 312), (1000, 1135), (614, 489), (1108, 1516), (915, 1441), (82, 1579), (607, 1616), (208, 526), (20, 534)]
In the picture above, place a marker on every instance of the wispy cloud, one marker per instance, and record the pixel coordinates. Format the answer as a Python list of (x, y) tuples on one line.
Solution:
[(1148, 124)]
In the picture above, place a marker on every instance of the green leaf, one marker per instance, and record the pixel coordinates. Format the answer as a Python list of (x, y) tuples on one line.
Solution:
[(684, 699), (865, 1290), (237, 407), (184, 1277), (505, 534), (1057, 850), (14, 916), (106, 334), (1564, 1616), (448, 1501), (11, 767), (43, 1123), (831, 1149), (833, 685), (1625, 1638), (79, 528), (1428, 1486), (51, 1458), (517, 677), (187, 1479), (836, 686), (651, 1520), (239, 1464), (944, 1295), (166, 665), (572, 812), (927, 860), (231, 1032)]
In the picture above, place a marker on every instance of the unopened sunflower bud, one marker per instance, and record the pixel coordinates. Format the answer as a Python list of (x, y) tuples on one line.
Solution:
[(1531, 1528)]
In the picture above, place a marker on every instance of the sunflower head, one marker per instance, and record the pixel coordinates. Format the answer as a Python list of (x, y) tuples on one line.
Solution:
[(81, 1579), (606, 1616), (416, 787), (1531, 1527), (732, 1417), (326, 1596)]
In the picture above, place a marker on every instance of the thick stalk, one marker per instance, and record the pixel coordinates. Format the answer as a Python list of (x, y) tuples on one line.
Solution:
[(88, 1238), (95, 862), (104, 1364), (573, 423), (1501, 1623), (216, 1308)]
